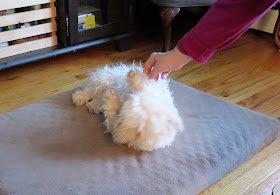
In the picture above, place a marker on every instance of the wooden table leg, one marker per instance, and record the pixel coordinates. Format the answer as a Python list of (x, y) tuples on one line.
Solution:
[(167, 15), (276, 36)]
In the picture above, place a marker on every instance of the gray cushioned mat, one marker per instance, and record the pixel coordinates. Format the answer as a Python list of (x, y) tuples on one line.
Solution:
[(52, 147)]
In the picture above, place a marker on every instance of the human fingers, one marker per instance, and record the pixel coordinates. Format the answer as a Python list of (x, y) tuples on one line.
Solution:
[(164, 75), (154, 73), (156, 78), (149, 64)]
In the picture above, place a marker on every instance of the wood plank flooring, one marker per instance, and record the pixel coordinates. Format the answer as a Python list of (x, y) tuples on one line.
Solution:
[(245, 73)]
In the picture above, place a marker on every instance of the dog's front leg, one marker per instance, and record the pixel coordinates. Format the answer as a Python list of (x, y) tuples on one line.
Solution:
[(111, 109)]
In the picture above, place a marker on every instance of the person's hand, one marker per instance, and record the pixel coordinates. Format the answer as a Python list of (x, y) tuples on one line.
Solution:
[(164, 63)]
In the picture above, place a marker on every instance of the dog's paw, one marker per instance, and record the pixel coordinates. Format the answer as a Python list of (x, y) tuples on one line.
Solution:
[(79, 99), (135, 79), (93, 108), (134, 74), (111, 96)]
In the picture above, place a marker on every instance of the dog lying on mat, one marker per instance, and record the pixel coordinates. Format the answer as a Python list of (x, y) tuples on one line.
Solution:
[(138, 112)]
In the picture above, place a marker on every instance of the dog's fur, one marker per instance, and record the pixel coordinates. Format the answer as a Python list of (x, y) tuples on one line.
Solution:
[(139, 112)]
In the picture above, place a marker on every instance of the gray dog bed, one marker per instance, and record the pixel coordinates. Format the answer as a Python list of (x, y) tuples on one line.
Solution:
[(53, 147)]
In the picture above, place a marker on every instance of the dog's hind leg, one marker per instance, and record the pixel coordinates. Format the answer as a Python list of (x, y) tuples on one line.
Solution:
[(111, 109)]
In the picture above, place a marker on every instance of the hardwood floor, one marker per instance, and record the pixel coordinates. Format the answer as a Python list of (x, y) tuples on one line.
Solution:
[(245, 73)]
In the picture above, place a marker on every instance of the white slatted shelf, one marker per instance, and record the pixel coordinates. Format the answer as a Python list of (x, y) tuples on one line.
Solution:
[(27, 16), (19, 35), (27, 32), (27, 47), (11, 4)]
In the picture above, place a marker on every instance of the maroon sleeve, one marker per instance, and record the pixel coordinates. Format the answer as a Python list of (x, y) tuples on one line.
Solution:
[(225, 21)]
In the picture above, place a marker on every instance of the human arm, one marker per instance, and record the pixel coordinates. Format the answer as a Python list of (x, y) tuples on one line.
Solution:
[(225, 21), (164, 63)]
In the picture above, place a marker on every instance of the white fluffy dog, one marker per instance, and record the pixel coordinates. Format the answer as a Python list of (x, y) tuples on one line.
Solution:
[(139, 112)]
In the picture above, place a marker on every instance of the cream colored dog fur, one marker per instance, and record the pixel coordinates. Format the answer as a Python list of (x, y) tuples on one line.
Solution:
[(139, 112)]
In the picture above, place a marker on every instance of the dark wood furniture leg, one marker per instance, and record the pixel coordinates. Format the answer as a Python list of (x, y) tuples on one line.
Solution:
[(167, 15), (276, 36)]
